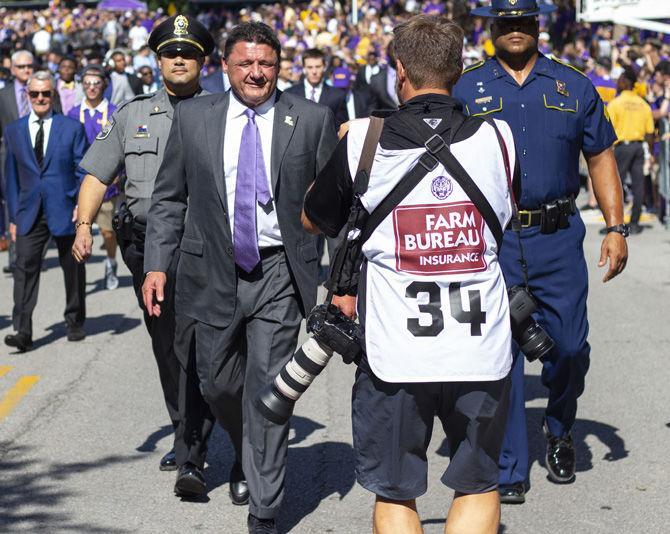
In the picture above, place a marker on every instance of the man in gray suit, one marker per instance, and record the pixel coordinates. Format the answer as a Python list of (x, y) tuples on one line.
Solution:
[(228, 195), (14, 104)]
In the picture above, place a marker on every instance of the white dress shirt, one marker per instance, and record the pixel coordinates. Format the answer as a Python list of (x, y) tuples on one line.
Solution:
[(317, 91), (267, 225), (33, 127), (101, 107)]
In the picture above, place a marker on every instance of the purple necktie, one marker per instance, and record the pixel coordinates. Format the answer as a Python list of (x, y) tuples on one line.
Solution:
[(313, 95), (252, 186), (24, 105)]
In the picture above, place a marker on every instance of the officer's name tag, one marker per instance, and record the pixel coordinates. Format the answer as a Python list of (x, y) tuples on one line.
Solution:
[(484, 100)]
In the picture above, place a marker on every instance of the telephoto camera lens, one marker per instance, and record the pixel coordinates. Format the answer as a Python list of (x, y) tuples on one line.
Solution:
[(277, 400), (533, 341)]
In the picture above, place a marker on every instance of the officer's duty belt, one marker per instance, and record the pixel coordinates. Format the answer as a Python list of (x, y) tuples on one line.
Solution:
[(562, 207)]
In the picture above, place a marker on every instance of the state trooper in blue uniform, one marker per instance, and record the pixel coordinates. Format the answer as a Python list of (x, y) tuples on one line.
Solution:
[(554, 113)]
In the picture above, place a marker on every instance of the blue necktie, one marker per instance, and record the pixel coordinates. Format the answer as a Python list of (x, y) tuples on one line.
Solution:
[(251, 187)]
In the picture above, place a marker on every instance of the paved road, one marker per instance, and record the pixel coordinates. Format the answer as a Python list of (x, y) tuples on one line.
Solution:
[(82, 426)]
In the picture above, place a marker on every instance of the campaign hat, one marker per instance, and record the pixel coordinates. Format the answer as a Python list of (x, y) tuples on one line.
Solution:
[(500, 9), (179, 33)]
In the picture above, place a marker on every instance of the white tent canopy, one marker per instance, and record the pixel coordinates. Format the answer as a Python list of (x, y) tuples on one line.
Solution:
[(637, 13)]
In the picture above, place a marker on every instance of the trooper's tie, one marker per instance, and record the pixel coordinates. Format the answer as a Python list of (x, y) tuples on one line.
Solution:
[(39, 143), (251, 187)]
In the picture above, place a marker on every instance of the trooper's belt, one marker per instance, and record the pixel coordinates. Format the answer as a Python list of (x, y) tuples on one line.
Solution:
[(565, 206)]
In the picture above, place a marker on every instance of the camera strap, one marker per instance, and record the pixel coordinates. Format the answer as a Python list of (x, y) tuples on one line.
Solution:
[(437, 151), (358, 214)]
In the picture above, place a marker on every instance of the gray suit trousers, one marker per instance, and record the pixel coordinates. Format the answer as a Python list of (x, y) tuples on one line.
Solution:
[(252, 349)]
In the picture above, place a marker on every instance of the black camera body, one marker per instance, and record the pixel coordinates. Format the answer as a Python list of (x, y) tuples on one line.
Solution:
[(330, 327), (533, 340)]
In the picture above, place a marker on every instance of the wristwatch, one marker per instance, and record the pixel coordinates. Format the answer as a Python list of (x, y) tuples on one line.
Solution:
[(622, 229)]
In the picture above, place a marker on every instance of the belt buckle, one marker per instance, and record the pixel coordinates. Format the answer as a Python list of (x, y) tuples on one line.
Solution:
[(527, 214)]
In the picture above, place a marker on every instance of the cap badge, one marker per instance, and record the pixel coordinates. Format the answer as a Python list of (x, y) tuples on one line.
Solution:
[(512, 2), (181, 25)]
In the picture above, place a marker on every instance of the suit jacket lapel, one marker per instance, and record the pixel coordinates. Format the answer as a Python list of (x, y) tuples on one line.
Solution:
[(29, 145), (285, 123), (215, 130), (53, 139)]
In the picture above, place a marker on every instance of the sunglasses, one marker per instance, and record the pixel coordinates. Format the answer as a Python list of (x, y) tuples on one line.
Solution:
[(184, 54), (36, 94), (28, 66), (93, 83)]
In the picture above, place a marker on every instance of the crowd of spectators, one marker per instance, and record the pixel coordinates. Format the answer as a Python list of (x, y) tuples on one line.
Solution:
[(118, 40)]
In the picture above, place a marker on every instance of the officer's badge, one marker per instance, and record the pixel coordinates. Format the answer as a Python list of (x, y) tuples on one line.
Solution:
[(106, 129), (142, 132), (181, 25), (561, 88), (433, 123), (441, 187)]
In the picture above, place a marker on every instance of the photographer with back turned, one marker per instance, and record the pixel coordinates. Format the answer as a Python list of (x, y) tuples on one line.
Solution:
[(431, 296)]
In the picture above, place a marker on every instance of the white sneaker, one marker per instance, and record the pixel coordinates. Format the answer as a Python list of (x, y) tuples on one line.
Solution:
[(111, 281)]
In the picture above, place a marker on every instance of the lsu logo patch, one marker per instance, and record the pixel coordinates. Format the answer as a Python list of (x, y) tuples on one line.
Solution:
[(437, 239), (106, 129), (441, 187)]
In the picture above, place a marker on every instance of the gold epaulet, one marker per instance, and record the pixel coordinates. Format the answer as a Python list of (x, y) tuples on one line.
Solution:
[(555, 59), (474, 66)]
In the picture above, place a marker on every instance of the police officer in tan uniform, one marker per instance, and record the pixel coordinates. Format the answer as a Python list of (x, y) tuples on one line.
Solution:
[(135, 138)]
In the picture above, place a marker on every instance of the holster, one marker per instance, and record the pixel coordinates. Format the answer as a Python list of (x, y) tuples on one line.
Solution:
[(122, 222)]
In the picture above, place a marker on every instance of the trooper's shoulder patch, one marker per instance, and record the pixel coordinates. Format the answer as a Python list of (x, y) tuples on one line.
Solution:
[(106, 129)]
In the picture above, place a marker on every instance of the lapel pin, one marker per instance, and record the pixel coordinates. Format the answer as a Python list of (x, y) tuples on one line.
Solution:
[(288, 120)]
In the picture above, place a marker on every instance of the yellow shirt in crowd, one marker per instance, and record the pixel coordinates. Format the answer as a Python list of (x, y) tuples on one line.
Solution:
[(631, 117)]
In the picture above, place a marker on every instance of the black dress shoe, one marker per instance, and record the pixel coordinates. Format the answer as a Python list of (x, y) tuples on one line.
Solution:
[(261, 526), (561, 459), (75, 333), (19, 341), (168, 462), (190, 482), (512, 493), (8, 269), (239, 491)]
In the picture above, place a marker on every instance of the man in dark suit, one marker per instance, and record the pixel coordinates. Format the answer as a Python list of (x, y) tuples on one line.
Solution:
[(383, 83), (312, 86), (14, 104), (228, 195), (217, 81), (43, 153)]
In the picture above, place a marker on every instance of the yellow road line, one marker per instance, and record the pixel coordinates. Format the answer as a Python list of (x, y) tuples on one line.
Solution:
[(4, 369), (15, 394)]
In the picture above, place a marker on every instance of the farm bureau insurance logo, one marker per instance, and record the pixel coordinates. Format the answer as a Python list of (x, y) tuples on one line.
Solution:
[(434, 239)]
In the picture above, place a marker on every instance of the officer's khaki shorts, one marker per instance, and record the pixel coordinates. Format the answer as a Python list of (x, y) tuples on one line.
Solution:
[(104, 217)]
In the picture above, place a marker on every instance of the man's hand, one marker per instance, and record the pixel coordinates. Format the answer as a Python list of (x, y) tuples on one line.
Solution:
[(615, 248), (152, 292), (347, 305), (12, 232), (83, 243)]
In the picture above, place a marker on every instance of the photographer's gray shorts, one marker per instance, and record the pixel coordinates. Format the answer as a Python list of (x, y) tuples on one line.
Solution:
[(393, 425)]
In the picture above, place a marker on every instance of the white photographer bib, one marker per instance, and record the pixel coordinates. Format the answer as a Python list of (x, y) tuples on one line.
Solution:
[(434, 299)]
